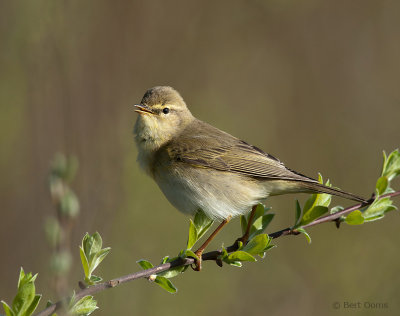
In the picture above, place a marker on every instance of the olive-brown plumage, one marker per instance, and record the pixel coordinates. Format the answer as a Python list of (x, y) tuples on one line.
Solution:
[(198, 166)]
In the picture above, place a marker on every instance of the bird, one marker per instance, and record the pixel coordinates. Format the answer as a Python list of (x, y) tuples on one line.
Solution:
[(200, 167)]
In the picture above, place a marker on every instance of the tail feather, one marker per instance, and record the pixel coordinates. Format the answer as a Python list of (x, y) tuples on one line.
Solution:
[(320, 188)]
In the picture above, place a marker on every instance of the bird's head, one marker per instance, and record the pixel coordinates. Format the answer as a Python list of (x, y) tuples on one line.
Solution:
[(162, 115)]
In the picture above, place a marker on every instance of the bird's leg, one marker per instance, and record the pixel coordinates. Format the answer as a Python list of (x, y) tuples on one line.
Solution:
[(245, 237), (199, 251)]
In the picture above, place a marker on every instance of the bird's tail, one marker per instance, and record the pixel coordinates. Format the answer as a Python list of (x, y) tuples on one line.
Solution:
[(320, 188)]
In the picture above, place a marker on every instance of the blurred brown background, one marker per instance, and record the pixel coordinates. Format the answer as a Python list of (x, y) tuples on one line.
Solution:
[(313, 82)]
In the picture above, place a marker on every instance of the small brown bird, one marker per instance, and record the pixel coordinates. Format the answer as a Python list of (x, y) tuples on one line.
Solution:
[(198, 166)]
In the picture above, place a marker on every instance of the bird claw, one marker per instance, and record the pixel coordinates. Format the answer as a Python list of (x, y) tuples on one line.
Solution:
[(197, 262)]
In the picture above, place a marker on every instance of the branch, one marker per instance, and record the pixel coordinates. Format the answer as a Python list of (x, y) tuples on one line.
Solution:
[(114, 282), (330, 217), (212, 255)]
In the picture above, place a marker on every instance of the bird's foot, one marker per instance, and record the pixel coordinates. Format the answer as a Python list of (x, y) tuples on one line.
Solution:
[(198, 261), (199, 251)]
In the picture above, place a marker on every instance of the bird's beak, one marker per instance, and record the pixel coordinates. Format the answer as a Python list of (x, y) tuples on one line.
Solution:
[(140, 108)]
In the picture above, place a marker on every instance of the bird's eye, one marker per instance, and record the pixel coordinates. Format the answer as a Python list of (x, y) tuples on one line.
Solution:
[(165, 110)]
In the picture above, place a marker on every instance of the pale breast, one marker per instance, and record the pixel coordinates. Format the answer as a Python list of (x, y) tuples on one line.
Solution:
[(218, 194)]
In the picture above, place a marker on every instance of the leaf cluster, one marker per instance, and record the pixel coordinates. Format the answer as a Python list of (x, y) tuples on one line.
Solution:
[(26, 300), (314, 207), (92, 254), (380, 206), (197, 228), (62, 172), (258, 242), (162, 280), (317, 205), (83, 307)]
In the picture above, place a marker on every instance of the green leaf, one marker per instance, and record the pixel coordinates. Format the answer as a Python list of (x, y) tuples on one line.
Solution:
[(266, 220), (87, 242), (91, 244), (378, 209), (85, 306), (59, 166), (177, 270), (63, 167), (72, 300), (145, 264), (256, 226), (336, 209), (260, 211), (260, 224), (84, 261), (257, 244), (315, 206), (374, 218), (381, 185), (26, 293), (95, 279), (96, 244), (7, 309), (318, 199), (189, 253), (26, 301), (313, 213), (192, 235), (236, 264), (240, 256), (91, 254), (69, 204), (391, 165), (99, 257), (165, 284), (224, 253), (33, 305), (269, 247), (243, 223), (172, 272), (355, 218), (25, 278), (202, 223), (60, 262), (303, 231)]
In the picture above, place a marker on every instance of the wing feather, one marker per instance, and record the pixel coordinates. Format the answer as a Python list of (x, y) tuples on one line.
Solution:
[(221, 151)]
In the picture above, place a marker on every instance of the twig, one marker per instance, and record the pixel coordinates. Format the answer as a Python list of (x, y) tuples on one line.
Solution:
[(330, 217), (212, 255)]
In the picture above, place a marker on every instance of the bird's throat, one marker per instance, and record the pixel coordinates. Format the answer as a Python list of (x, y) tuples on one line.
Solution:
[(149, 139)]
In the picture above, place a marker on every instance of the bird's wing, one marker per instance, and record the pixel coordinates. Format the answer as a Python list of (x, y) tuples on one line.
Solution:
[(231, 154)]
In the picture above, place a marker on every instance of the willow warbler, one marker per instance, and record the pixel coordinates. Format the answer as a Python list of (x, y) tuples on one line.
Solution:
[(197, 166)]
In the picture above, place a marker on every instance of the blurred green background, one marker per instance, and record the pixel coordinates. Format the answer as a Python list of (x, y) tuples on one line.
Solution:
[(314, 82)]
